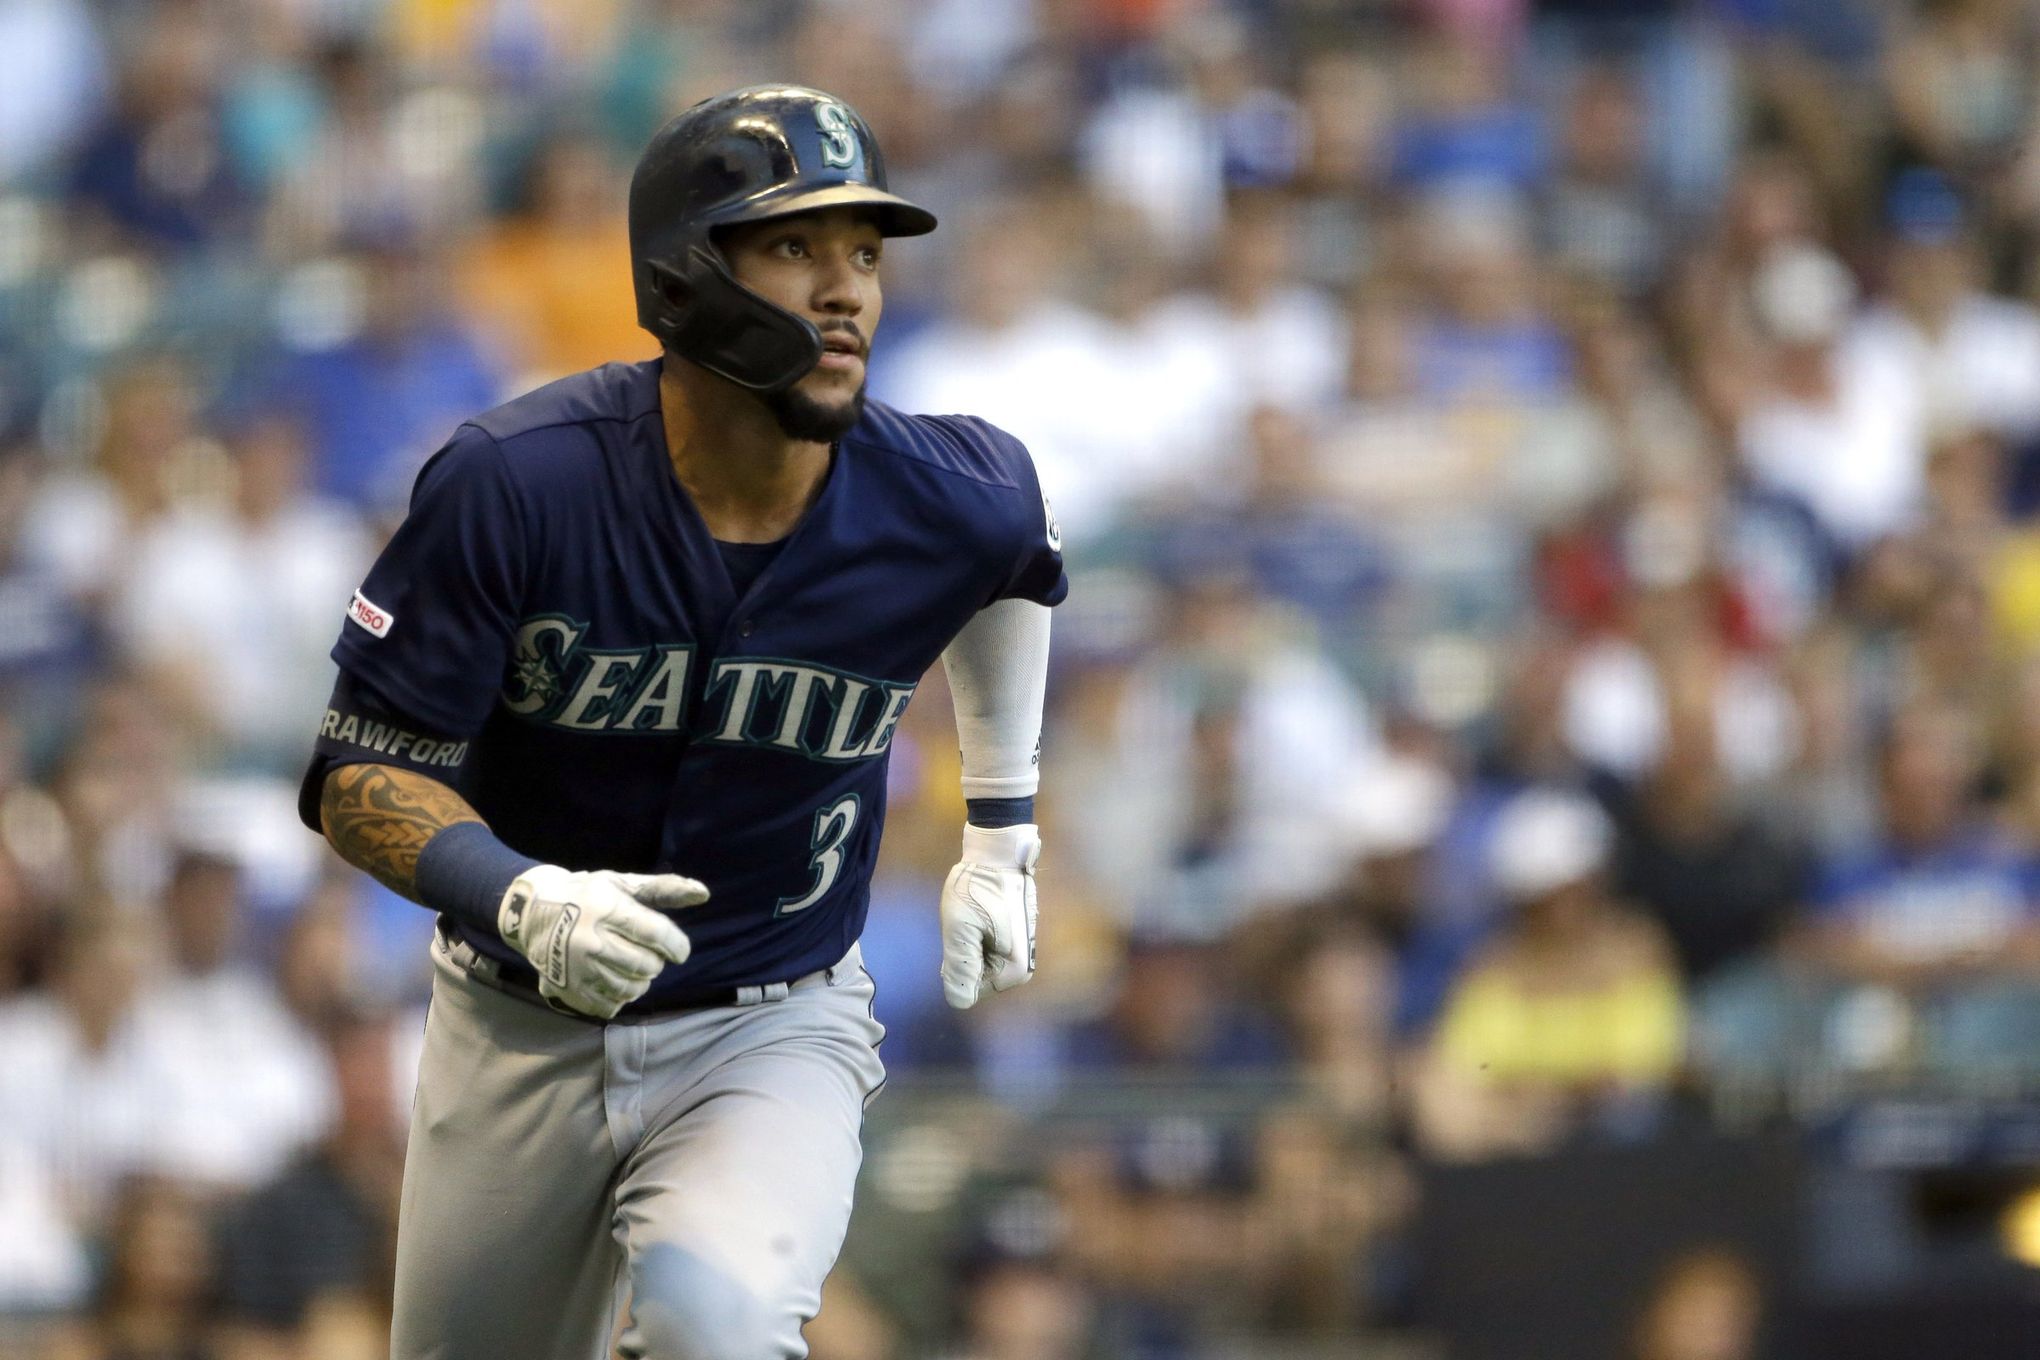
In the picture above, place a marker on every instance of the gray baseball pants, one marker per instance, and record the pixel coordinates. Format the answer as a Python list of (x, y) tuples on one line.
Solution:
[(694, 1168)]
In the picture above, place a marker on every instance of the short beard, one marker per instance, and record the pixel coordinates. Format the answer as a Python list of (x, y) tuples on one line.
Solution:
[(801, 417)]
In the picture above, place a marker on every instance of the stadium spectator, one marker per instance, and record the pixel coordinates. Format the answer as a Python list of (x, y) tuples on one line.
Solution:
[(1346, 101), (83, 519), (1597, 214), (114, 789), (1968, 360), (1941, 912), (1210, 798), (1173, 1014), (367, 165), (1960, 92), (157, 173), (46, 635), (1707, 1305), (1164, 1225), (1170, 148), (315, 972), (228, 610), (1020, 1308), (1571, 1018), (1830, 426), (64, 84), (551, 283), (1941, 888), (1466, 124), (24, 931), (1339, 1008), (1771, 205), (1279, 343), (78, 1093), (1389, 451), (1434, 486), (1489, 345), (1009, 333), (244, 1085), (1524, 747), (323, 1231), (1335, 1198), (1278, 530), (1719, 876), (45, 1264), (1677, 635), (386, 387), (153, 1298), (1391, 817)]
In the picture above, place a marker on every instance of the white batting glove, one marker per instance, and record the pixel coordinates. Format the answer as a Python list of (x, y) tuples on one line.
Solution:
[(988, 913), (595, 938)]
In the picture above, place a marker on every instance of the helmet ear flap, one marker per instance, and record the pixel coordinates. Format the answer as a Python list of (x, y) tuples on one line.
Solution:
[(704, 315), (666, 299), (670, 284)]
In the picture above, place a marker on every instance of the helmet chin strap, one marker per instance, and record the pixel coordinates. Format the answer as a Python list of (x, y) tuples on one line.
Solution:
[(716, 322)]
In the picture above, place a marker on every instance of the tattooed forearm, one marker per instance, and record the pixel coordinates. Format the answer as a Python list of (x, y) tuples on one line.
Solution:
[(379, 818)]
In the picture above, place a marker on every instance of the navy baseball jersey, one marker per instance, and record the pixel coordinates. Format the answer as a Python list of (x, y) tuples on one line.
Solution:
[(554, 632)]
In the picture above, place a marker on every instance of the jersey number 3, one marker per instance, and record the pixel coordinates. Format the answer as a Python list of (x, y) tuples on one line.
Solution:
[(832, 829)]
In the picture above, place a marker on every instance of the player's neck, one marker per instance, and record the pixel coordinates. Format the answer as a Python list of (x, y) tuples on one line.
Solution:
[(750, 481)]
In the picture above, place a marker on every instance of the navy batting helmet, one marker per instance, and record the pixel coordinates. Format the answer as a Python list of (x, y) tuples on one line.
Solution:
[(756, 153)]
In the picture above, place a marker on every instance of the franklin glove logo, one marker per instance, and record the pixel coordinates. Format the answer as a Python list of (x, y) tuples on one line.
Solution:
[(556, 946)]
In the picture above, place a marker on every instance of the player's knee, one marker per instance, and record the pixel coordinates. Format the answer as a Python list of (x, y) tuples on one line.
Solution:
[(683, 1308)]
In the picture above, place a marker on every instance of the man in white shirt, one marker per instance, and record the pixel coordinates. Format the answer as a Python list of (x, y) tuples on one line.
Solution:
[(230, 609), (1970, 359), (246, 1083)]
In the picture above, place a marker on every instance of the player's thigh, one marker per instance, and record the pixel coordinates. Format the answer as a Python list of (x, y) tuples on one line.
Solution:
[(504, 1243), (734, 1211)]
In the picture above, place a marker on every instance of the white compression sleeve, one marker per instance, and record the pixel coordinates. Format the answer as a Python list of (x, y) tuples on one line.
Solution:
[(998, 675)]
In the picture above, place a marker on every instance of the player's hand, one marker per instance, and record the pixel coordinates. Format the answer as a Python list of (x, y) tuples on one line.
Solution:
[(595, 938), (988, 913)]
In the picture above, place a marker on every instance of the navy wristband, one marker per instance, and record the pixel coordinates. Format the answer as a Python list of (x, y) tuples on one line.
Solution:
[(464, 871), (993, 813)]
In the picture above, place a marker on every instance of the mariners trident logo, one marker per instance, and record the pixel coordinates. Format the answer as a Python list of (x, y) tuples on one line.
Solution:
[(794, 706)]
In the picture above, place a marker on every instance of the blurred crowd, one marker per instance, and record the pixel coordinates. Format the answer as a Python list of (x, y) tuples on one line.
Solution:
[(1552, 490)]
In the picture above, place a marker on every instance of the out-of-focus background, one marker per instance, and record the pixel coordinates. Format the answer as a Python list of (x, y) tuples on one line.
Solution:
[(1543, 773)]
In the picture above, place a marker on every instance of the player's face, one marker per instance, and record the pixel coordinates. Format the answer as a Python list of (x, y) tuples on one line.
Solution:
[(823, 266)]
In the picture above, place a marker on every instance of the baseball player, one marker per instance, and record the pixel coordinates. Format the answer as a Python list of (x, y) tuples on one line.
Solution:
[(616, 702)]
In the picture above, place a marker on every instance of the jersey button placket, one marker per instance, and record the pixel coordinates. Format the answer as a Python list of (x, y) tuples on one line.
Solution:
[(744, 628)]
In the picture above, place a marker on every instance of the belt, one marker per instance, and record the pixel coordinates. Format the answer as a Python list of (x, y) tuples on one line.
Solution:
[(490, 973)]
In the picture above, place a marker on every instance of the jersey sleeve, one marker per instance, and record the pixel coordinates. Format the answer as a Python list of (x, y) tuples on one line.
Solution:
[(430, 629), (1037, 572), (361, 726)]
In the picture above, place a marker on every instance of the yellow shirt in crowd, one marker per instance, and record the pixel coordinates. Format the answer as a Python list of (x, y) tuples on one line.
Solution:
[(1626, 1030)]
